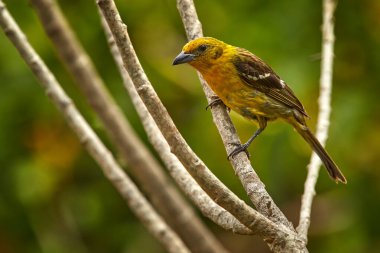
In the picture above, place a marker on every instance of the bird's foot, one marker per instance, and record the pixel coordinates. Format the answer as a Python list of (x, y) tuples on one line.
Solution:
[(239, 148), (215, 101)]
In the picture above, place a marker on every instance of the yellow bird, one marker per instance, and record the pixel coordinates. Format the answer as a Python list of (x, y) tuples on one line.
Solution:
[(247, 85)]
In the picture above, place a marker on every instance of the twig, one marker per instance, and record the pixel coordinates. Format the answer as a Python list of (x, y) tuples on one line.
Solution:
[(141, 163), (324, 114), (279, 237), (243, 169), (92, 143), (188, 185)]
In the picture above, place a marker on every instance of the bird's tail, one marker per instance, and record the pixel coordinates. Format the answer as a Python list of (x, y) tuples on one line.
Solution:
[(331, 167)]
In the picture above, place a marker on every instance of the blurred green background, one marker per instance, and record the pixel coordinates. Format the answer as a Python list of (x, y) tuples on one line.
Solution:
[(54, 198)]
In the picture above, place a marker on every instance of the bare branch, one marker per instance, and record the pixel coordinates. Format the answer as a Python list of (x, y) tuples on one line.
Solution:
[(141, 163), (240, 163), (279, 237), (324, 114), (92, 143), (188, 185)]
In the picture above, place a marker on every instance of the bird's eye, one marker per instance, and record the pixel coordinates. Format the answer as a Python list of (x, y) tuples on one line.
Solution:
[(202, 48)]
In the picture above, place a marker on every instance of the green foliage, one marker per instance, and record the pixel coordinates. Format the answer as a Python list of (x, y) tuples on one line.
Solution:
[(53, 198)]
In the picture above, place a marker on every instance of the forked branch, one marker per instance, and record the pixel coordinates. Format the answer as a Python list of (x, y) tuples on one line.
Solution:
[(279, 237)]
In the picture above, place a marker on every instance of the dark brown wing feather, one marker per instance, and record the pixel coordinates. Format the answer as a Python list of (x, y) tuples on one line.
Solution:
[(258, 75)]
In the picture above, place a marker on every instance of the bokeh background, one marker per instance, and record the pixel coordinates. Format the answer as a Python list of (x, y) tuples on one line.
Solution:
[(54, 198)]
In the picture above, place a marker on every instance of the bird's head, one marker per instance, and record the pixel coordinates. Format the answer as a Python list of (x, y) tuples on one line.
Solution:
[(201, 53)]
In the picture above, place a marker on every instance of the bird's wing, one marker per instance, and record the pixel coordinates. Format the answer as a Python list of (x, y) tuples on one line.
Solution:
[(257, 74)]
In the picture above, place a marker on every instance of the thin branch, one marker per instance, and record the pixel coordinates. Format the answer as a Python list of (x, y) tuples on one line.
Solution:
[(243, 169), (136, 201), (141, 163), (279, 237), (324, 114), (183, 179)]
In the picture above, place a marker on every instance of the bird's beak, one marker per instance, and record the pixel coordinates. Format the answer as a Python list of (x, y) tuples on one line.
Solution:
[(183, 58)]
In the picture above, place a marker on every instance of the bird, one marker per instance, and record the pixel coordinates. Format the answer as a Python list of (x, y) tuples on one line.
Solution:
[(247, 85)]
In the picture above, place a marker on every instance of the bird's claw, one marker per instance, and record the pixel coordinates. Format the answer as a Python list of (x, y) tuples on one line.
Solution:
[(239, 148), (215, 101)]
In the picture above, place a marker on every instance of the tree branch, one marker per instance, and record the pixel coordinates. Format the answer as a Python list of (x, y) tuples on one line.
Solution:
[(183, 179), (279, 237), (141, 163), (240, 163), (324, 102), (88, 138)]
